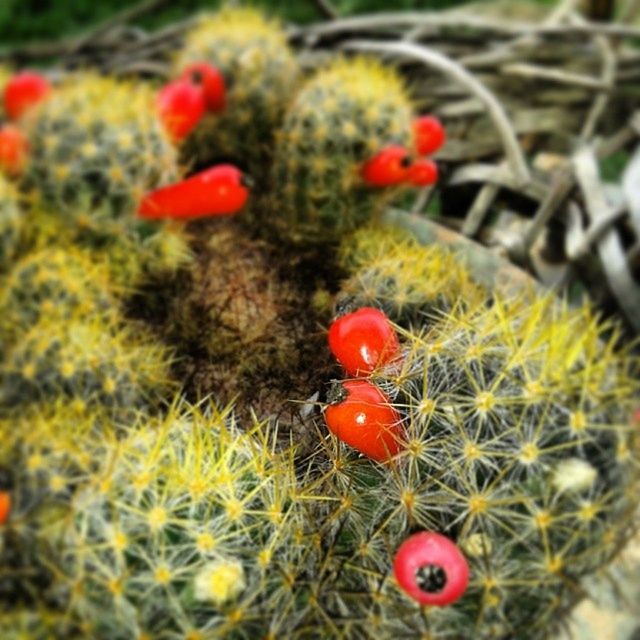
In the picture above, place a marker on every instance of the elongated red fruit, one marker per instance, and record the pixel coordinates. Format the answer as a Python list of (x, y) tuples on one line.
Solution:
[(423, 172), (429, 134), (180, 105), (14, 149), (363, 340), (361, 415), (387, 168), (220, 190), (23, 91), (5, 506), (211, 80)]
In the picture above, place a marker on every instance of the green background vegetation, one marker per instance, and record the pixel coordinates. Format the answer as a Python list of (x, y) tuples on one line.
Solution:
[(23, 21)]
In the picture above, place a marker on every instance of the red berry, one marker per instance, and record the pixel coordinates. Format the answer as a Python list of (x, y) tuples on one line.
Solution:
[(360, 415), (14, 148), (23, 91), (429, 134), (212, 82), (180, 106), (387, 168), (5, 506), (363, 340), (219, 190), (423, 172), (431, 569)]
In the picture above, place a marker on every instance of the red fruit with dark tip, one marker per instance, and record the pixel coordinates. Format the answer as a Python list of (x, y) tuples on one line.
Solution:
[(431, 569), (387, 168), (360, 415), (220, 190), (211, 80), (363, 340), (23, 91), (180, 105), (429, 135), (14, 149), (5, 506), (423, 172)]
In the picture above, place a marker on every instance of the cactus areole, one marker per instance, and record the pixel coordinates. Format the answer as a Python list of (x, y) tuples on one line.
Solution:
[(431, 569)]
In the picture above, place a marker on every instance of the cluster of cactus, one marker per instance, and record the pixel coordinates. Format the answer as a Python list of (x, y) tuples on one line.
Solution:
[(260, 72), (517, 443), (339, 118), (135, 514)]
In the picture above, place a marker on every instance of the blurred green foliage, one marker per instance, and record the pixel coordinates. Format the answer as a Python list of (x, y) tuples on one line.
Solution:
[(32, 20)]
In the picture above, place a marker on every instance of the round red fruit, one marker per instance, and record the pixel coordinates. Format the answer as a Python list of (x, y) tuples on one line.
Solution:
[(14, 149), (429, 135), (387, 168), (180, 106), (5, 506), (423, 172), (211, 80), (431, 569), (363, 340), (361, 416), (23, 91)]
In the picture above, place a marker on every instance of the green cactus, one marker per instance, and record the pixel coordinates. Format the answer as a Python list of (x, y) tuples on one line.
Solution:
[(388, 268), (97, 146), (41, 624), (518, 446), (53, 284), (5, 74), (341, 117), (185, 531), (260, 72), (48, 452), (94, 360), (10, 223)]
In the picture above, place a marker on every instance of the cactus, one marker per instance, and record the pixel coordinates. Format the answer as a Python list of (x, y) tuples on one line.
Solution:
[(48, 453), (95, 360), (185, 531), (389, 269), (132, 252), (96, 145), (518, 446), (10, 223), (5, 74), (51, 284), (41, 624), (339, 118), (260, 71)]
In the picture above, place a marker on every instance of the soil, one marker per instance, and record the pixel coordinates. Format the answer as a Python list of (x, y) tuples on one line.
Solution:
[(248, 323)]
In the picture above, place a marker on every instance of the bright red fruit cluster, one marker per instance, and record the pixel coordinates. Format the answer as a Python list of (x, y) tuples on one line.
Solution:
[(14, 149), (359, 413), (182, 103), (431, 569), (394, 165)]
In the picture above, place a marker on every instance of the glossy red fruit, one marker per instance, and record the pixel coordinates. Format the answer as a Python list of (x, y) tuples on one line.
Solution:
[(5, 506), (423, 172), (388, 167), (429, 135), (363, 340), (205, 75), (431, 569), (14, 149), (180, 105), (360, 415), (220, 190), (23, 91)]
